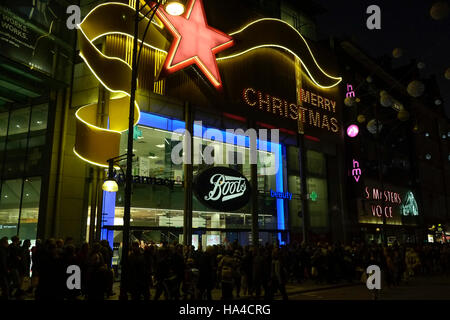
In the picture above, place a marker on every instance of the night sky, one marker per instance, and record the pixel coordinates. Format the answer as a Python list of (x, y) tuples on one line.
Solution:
[(405, 24)]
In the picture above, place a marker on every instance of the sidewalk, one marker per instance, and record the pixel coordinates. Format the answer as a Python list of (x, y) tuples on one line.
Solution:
[(307, 286)]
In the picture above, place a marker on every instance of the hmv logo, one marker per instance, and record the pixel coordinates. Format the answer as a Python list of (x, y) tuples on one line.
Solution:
[(356, 172), (350, 93), (222, 188), (226, 188)]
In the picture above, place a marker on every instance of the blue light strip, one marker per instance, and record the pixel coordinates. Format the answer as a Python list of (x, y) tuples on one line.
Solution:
[(108, 214), (280, 188)]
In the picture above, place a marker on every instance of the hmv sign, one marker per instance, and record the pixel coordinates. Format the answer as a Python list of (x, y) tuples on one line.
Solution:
[(222, 188)]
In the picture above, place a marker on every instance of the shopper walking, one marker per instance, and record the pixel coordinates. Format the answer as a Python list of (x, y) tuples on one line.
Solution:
[(4, 269), (226, 270)]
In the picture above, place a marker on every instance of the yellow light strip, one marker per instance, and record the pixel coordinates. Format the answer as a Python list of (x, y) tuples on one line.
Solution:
[(109, 89), (128, 35), (288, 50), (278, 20), (161, 26), (89, 161), (122, 92), (105, 56), (282, 47)]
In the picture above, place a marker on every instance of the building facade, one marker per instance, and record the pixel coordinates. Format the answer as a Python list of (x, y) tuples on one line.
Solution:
[(37, 53), (64, 114), (397, 171)]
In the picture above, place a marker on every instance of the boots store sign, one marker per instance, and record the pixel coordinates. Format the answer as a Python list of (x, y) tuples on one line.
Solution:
[(222, 188)]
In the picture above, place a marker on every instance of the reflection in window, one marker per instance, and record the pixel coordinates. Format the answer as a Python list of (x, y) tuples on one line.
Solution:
[(11, 210), (30, 208), (19, 121), (3, 124), (39, 117)]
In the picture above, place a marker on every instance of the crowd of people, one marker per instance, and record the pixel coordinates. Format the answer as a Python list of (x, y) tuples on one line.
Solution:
[(181, 272)]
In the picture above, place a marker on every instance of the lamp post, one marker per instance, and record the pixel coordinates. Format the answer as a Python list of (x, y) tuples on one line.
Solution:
[(173, 7), (380, 171)]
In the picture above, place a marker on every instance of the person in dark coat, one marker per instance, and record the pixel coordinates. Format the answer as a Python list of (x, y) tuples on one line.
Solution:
[(4, 268), (82, 261), (52, 279), (226, 271), (278, 275), (247, 270), (206, 280), (96, 268), (26, 258), (107, 254), (16, 269), (69, 259), (257, 272), (139, 274), (161, 273)]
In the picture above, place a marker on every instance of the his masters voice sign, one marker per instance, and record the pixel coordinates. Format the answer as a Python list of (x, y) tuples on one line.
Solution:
[(222, 188)]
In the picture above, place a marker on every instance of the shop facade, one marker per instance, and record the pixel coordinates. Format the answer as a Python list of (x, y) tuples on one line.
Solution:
[(273, 92)]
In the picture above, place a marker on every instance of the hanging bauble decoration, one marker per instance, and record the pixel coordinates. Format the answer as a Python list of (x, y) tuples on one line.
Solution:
[(372, 126), (403, 115), (447, 74), (438, 102), (397, 53), (369, 79), (421, 65), (361, 118), (415, 88), (350, 101), (439, 10), (386, 100)]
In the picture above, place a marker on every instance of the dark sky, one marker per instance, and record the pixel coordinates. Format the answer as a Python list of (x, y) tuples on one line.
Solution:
[(405, 24)]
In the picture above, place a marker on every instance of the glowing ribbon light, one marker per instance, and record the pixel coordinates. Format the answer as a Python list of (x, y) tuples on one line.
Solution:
[(96, 144), (275, 33)]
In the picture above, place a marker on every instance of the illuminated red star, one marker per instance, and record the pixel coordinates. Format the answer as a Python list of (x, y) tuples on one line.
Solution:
[(195, 42)]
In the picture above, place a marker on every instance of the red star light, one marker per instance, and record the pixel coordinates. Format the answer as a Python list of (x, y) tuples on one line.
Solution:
[(195, 42)]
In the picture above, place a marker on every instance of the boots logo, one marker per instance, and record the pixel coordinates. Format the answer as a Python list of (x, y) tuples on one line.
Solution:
[(226, 187), (222, 188)]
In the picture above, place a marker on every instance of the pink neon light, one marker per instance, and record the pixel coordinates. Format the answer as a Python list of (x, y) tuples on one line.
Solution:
[(356, 172), (352, 130)]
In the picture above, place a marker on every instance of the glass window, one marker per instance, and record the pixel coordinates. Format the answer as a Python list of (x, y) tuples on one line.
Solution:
[(159, 205), (39, 117), (19, 121), (318, 209), (36, 141), (3, 124), (295, 205), (316, 164), (30, 208), (10, 207)]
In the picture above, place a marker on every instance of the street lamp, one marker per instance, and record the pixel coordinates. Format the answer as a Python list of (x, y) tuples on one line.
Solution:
[(110, 184), (128, 176), (175, 7)]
